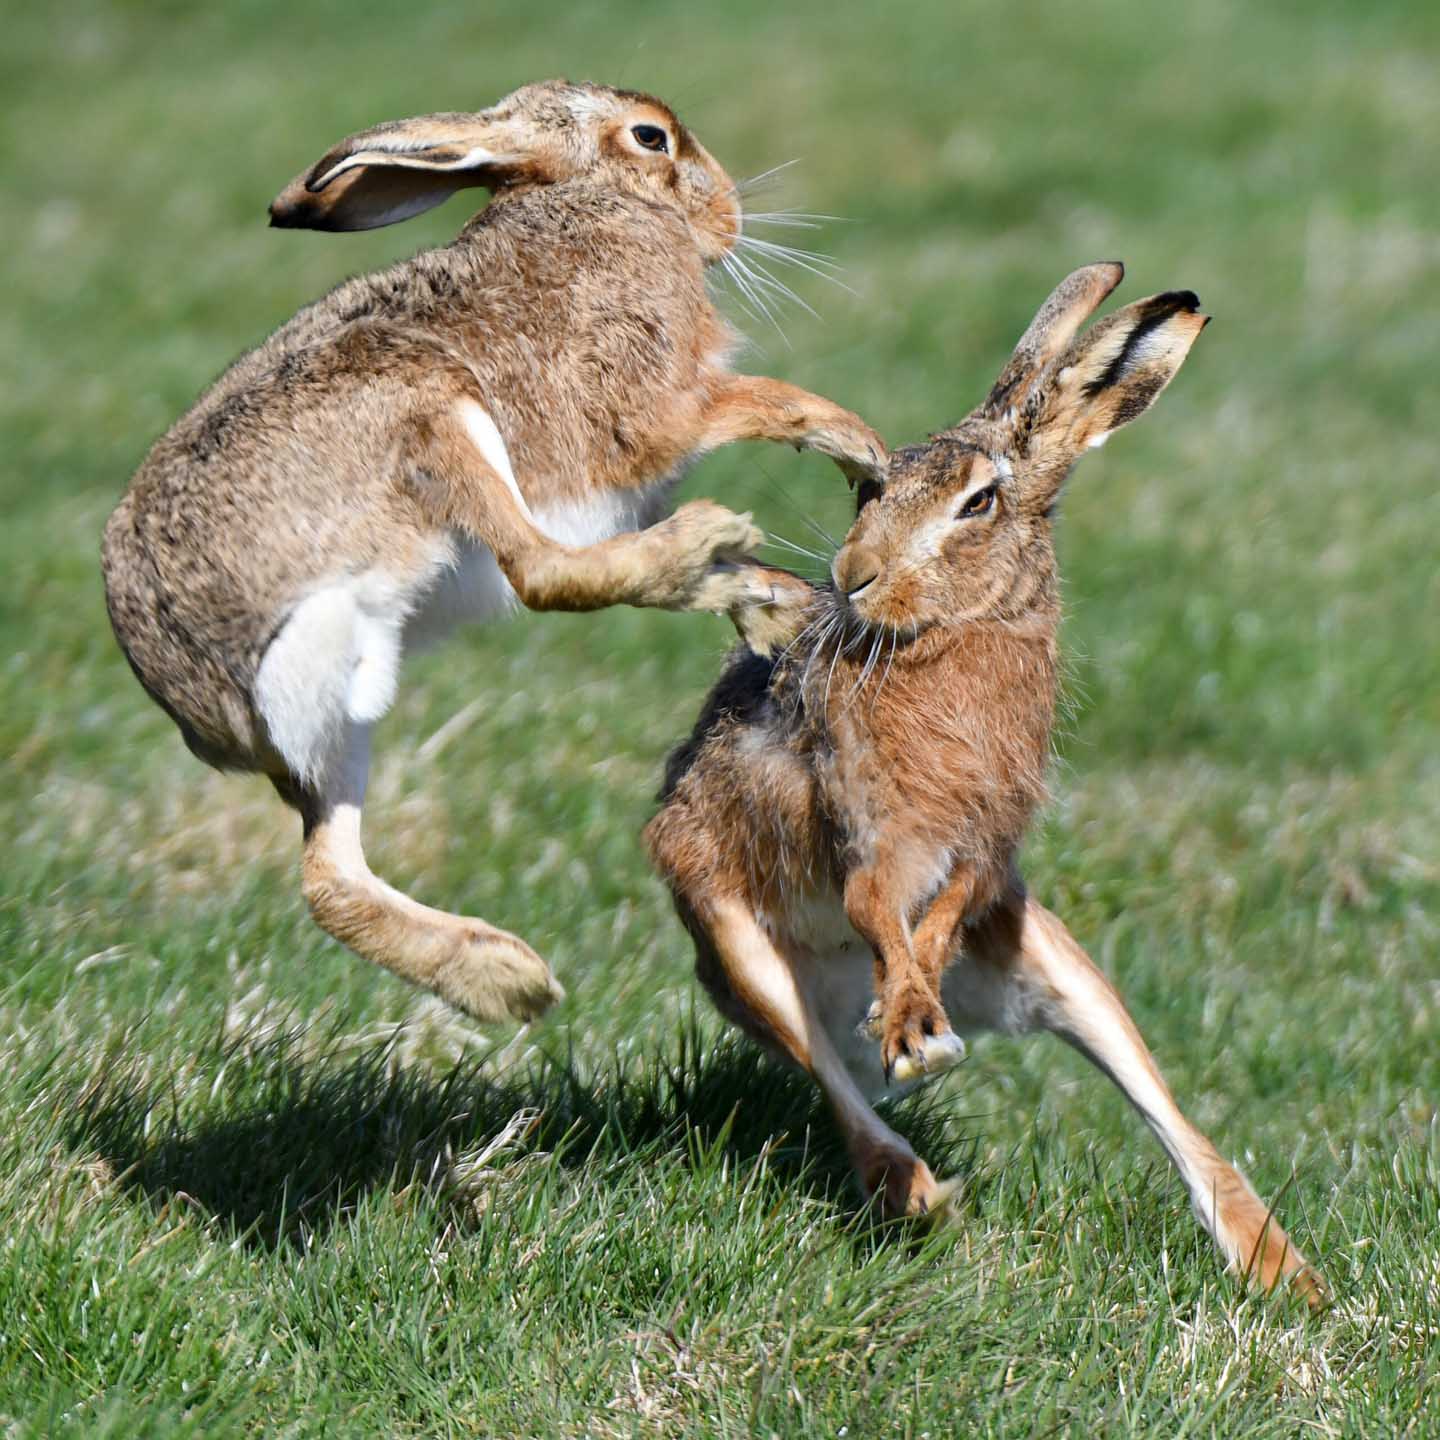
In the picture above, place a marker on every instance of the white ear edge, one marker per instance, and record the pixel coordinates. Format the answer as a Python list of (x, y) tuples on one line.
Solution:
[(1096, 441), (473, 159)]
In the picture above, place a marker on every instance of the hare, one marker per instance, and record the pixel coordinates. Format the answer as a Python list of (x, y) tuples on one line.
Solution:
[(862, 792), (501, 418)]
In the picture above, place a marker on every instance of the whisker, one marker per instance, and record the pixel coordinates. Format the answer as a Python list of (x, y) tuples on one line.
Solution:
[(875, 646), (764, 292), (763, 280), (894, 643), (798, 549), (755, 299), (795, 219), (833, 621), (789, 252), (798, 638), (738, 285), (821, 266), (750, 183)]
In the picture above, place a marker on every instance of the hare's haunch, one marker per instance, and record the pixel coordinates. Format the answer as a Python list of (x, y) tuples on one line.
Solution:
[(500, 418), (845, 819)]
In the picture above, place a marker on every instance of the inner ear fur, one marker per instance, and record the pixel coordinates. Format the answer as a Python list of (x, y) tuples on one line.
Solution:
[(1072, 302), (393, 171), (1114, 372)]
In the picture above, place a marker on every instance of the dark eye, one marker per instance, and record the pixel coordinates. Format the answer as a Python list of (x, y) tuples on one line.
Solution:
[(977, 504), (652, 137)]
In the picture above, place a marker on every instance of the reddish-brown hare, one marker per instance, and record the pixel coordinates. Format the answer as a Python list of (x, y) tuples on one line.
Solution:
[(504, 417), (845, 819)]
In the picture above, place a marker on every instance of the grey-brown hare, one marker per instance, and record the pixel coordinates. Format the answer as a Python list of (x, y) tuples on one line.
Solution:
[(505, 416), (845, 819)]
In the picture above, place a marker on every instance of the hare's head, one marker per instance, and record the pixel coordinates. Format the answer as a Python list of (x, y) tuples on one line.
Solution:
[(962, 526), (539, 135)]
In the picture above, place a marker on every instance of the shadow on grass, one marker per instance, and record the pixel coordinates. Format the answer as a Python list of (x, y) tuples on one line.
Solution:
[(282, 1138)]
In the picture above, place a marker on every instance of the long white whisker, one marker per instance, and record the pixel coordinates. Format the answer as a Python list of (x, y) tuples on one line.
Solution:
[(741, 292), (809, 629), (821, 642), (798, 549), (894, 641), (758, 303), (820, 266), (764, 281), (760, 293), (788, 501), (869, 665), (795, 219), (791, 253), (752, 181), (829, 678)]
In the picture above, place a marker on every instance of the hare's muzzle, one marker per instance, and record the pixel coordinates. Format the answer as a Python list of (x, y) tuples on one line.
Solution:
[(855, 567)]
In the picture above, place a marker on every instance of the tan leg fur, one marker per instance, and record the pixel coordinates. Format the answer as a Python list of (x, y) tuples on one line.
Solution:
[(1028, 972), (484, 971)]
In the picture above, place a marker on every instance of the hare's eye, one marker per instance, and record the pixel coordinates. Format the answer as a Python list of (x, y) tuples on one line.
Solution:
[(977, 504), (652, 137)]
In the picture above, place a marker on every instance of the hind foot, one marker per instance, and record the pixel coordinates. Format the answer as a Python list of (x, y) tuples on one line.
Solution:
[(905, 1185), (494, 976), (1260, 1248)]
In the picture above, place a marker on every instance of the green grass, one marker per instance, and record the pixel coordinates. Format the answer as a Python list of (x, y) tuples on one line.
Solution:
[(250, 1186)]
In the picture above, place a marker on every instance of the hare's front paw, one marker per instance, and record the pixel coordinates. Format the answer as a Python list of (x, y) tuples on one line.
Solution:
[(703, 547), (774, 611), (916, 1038), (854, 447)]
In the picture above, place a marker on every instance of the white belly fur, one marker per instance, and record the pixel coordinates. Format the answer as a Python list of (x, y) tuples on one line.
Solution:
[(336, 660)]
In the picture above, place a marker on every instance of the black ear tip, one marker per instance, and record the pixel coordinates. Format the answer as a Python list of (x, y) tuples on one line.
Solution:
[(1173, 300)]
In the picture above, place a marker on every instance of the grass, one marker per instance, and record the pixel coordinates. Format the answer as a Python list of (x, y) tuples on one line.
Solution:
[(250, 1186)]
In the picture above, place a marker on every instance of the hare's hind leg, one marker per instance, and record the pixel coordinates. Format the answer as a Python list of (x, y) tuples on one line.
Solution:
[(770, 1000), (476, 967), (1023, 970)]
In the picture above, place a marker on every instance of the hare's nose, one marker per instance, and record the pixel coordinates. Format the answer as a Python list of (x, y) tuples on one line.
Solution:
[(855, 567)]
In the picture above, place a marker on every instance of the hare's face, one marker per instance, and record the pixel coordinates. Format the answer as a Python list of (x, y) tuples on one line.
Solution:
[(540, 135), (961, 528), (946, 540), (633, 141)]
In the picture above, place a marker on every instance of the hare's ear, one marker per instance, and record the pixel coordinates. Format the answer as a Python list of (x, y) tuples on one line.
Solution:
[(1072, 302), (1108, 377), (400, 169)]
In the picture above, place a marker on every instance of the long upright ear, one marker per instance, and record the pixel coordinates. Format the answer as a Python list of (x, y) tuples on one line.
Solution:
[(1108, 377), (400, 169), (1072, 302)]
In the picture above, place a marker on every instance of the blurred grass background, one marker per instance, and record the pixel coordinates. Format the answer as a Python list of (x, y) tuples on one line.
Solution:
[(249, 1185)]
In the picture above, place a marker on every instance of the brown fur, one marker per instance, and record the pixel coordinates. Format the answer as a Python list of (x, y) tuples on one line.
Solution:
[(878, 768), (573, 313)]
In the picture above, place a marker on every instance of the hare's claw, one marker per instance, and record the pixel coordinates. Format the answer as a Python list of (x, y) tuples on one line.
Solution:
[(937, 1054), (853, 446), (916, 1038)]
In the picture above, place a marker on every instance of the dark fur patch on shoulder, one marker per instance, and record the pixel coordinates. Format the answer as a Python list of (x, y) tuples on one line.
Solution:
[(737, 697)]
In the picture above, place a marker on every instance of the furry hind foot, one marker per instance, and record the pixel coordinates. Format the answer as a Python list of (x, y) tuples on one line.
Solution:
[(496, 976), (1259, 1247), (905, 1185), (480, 969)]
